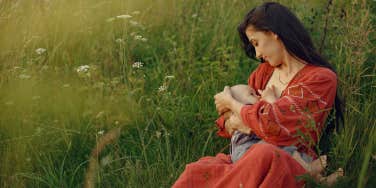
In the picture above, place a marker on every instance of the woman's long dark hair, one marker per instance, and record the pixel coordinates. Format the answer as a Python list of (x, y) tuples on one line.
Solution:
[(272, 16)]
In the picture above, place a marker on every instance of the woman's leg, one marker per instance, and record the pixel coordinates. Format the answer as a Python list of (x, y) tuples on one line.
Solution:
[(263, 165)]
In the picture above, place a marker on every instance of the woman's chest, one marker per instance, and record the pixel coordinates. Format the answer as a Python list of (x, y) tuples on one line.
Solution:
[(279, 86)]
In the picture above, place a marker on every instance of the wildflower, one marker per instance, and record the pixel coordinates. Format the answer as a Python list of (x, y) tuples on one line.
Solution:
[(162, 88), (84, 71), (106, 160), (83, 68), (138, 37), (119, 40), (24, 76), (124, 16), (158, 134), (101, 132), (194, 15), (136, 12), (134, 23), (137, 65), (170, 77), (141, 38), (40, 51)]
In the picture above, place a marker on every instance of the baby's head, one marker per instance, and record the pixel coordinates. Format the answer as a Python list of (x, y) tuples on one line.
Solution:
[(244, 94)]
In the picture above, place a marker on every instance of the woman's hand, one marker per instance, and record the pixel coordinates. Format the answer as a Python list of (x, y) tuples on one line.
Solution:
[(223, 100), (268, 94), (235, 123)]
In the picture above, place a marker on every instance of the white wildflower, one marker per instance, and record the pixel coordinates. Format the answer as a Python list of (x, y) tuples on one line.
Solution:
[(101, 132), (124, 16), (83, 68), (106, 160), (84, 71), (134, 23), (119, 40), (162, 88), (158, 134), (137, 65), (40, 51), (24, 76), (138, 37), (141, 38), (170, 77), (136, 12), (194, 15)]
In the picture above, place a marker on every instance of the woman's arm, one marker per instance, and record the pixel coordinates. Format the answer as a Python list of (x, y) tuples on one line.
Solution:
[(296, 117)]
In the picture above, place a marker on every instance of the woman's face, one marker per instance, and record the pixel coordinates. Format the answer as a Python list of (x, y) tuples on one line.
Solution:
[(267, 45)]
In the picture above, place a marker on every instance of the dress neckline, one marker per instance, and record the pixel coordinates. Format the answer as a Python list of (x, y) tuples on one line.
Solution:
[(271, 71)]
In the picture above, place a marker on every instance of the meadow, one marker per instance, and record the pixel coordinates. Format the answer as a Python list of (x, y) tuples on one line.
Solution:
[(119, 93)]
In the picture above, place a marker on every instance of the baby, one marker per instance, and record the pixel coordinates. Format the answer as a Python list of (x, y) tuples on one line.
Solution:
[(242, 138)]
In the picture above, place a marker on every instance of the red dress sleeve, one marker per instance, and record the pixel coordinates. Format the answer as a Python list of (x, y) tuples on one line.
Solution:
[(297, 117)]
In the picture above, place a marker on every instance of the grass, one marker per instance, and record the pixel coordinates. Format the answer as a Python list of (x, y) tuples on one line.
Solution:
[(53, 118)]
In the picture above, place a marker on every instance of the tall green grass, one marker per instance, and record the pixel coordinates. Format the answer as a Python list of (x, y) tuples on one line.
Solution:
[(52, 116)]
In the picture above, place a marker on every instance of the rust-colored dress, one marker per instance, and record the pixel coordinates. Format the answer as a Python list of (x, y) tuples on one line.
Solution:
[(295, 119)]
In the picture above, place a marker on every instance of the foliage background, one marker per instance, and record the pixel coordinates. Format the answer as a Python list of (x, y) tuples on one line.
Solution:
[(53, 111)]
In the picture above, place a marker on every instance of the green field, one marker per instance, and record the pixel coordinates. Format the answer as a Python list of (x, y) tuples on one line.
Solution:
[(120, 92)]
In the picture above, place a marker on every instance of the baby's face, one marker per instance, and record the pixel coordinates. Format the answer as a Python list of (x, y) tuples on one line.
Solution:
[(244, 94)]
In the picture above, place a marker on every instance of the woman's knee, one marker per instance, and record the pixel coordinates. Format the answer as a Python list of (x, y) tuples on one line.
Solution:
[(264, 150)]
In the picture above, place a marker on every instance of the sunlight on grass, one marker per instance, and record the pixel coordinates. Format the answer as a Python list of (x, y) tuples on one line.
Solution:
[(73, 71)]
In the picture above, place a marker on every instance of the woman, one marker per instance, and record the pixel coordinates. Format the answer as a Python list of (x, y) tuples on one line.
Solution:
[(298, 91)]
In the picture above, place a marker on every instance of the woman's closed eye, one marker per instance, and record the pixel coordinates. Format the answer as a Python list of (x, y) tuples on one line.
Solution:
[(254, 43)]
